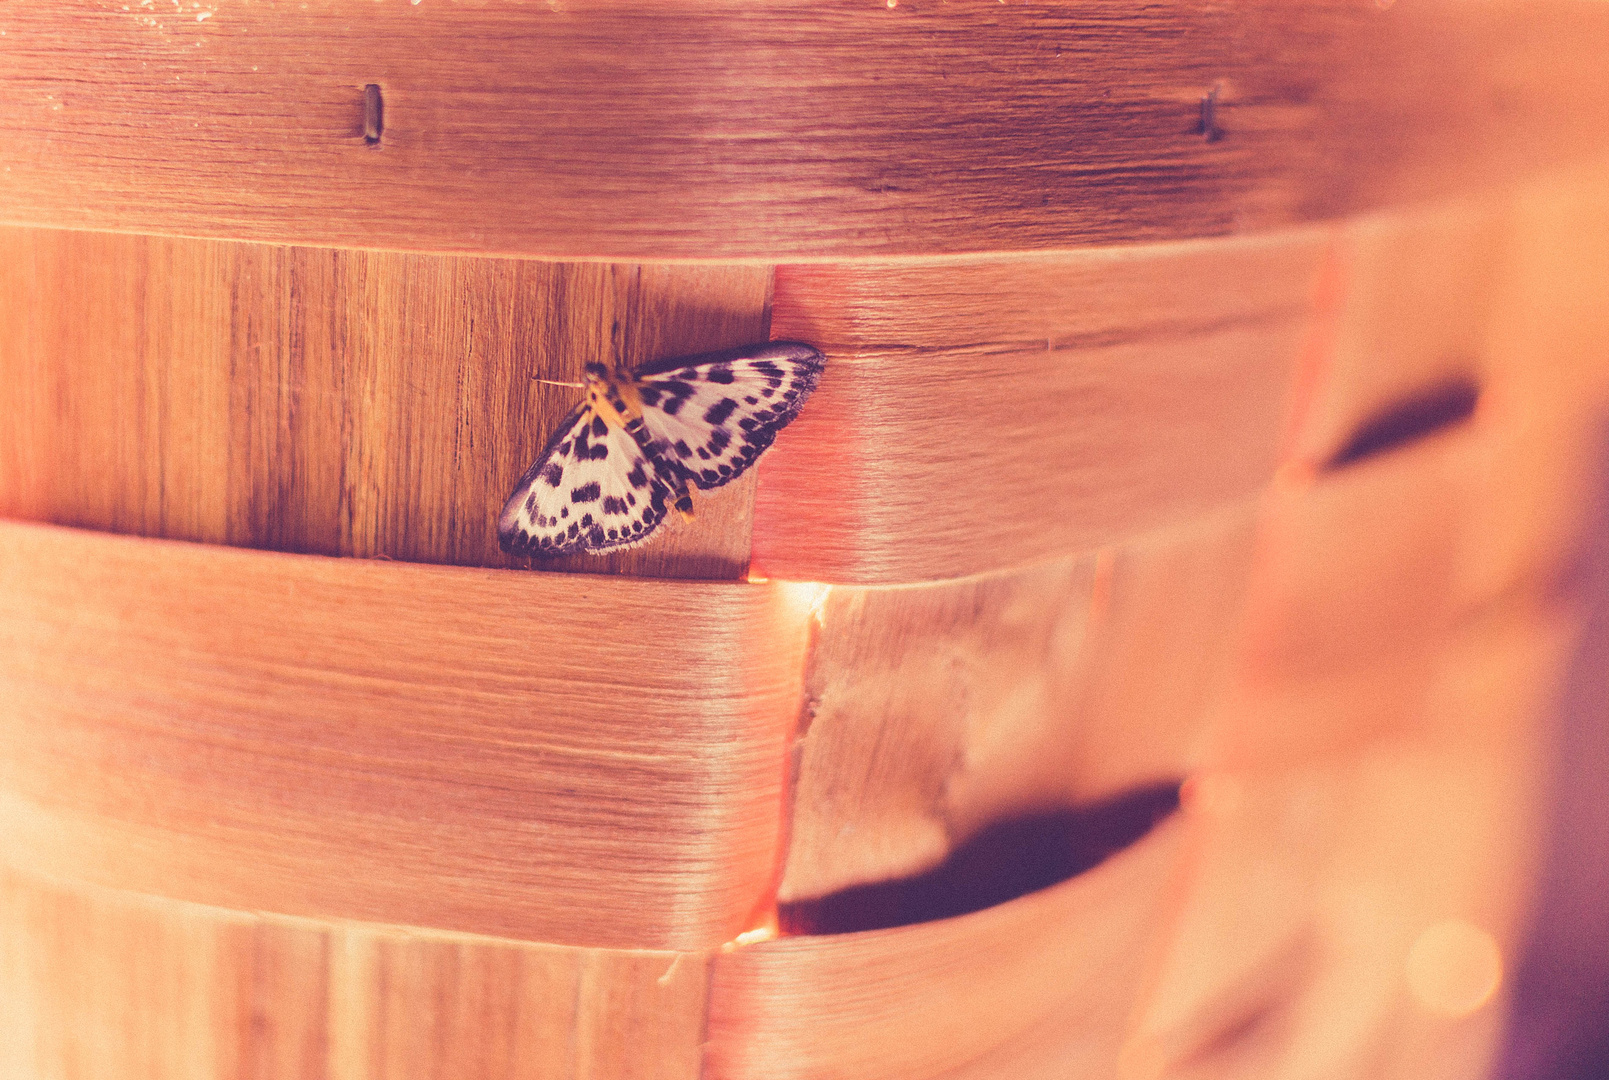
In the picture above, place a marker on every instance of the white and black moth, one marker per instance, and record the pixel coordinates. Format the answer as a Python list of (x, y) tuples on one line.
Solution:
[(627, 454)]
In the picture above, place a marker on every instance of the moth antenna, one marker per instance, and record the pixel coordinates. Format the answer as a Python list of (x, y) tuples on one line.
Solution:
[(556, 382)]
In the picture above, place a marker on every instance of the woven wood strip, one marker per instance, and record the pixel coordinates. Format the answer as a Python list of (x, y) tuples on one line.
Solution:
[(775, 131), (588, 761), (380, 404), (984, 413), (339, 402), (98, 982), (1038, 987)]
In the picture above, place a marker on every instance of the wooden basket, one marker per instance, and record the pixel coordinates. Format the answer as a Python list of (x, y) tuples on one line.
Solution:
[(1204, 423)]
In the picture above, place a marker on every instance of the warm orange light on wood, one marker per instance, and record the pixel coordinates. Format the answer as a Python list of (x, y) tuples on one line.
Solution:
[(1208, 398)]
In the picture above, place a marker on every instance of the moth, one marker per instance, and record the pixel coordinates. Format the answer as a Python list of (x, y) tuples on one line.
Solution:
[(640, 441)]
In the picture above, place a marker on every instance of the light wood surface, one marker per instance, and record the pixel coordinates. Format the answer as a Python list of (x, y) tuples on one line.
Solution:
[(987, 413), (102, 983), (1308, 881), (1047, 976), (598, 128), (377, 404), (345, 403), (465, 749), (935, 711), (382, 404), (1483, 515), (1377, 766)]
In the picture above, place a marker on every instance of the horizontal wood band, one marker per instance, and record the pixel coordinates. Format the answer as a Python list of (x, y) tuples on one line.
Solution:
[(167, 988), (975, 415), (1041, 981), (990, 412), (371, 403), (335, 402), (781, 131), (1036, 988), (986, 413), (592, 761)]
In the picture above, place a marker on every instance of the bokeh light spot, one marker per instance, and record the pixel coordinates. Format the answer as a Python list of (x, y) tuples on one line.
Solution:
[(1454, 968)]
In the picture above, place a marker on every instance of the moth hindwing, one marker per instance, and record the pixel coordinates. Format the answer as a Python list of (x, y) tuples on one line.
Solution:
[(628, 453)]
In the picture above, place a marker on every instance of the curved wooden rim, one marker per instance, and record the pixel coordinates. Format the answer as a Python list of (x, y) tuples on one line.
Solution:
[(783, 131), (436, 746)]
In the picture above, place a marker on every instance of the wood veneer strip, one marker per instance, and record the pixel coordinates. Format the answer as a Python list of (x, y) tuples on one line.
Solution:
[(119, 986), (1049, 976), (382, 404), (975, 414), (941, 708), (590, 761), (936, 711), (993, 412), (775, 131), (338, 402)]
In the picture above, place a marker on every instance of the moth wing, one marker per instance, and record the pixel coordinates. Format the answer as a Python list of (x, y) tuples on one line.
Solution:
[(591, 489), (710, 417)]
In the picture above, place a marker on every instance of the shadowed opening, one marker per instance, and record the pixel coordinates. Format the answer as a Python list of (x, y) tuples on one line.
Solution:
[(1005, 861), (373, 114), (1410, 419)]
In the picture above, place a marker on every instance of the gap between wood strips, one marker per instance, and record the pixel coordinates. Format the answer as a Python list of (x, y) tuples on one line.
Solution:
[(1409, 419), (1009, 859), (373, 114)]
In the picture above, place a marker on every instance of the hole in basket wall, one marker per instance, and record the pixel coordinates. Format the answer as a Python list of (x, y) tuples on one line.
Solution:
[(1409, 419), (1007, 860), (373, 114)]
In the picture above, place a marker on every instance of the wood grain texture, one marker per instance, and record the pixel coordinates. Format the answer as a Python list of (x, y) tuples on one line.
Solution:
[(465, 749), (776, 131), (445, 746), (915, 695), (371, 404), (101, 983), (1313, 619), (988, 413), (935, 711), (380, 404), (1044, 980), (344, 403)]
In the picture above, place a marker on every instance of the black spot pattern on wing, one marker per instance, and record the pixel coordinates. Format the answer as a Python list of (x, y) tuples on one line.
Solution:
[(710, 417), (705, 420), (616, 492)]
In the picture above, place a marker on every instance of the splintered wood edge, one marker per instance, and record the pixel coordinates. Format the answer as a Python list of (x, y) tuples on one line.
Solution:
[(591, 761), (783, 131)]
